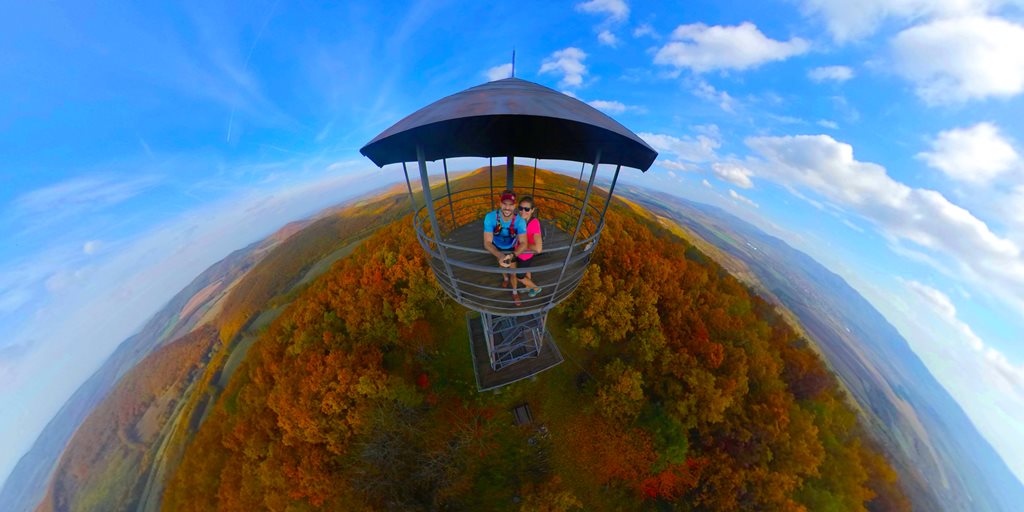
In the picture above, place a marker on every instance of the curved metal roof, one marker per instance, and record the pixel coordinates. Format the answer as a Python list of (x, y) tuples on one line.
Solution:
[(510, 117)]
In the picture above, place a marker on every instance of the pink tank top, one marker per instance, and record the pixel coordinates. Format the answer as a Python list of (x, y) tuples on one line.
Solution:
[(532, 232)]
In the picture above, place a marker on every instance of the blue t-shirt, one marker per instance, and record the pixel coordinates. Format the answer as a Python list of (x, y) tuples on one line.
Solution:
[(504, 240)]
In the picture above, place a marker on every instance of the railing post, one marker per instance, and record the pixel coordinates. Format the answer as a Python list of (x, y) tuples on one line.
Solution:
[(579, 224), (428, 199)]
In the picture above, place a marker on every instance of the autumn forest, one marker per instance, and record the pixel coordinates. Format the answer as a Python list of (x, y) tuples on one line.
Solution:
[(681, 390)]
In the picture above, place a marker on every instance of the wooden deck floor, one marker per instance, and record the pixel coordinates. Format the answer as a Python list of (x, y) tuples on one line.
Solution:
[(482, 290), (487, 379)]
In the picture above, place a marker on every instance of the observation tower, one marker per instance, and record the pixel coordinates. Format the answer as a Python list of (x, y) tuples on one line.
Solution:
[(506, 119)]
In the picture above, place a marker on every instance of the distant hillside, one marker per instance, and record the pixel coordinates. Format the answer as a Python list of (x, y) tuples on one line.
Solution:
[(948, 464), (299, 251), (684, 391), (343, 381), (200, 301), (286, 265), (105, 465), (27, 482)]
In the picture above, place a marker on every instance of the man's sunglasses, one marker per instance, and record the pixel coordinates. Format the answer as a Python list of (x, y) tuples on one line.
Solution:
[(525, 208)]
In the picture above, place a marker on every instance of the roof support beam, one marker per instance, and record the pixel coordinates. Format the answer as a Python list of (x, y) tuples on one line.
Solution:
[(412, 199), (607, 203), (448, 187)]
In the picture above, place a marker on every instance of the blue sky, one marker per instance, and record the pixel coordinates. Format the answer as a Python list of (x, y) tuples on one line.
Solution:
[(143, 143)]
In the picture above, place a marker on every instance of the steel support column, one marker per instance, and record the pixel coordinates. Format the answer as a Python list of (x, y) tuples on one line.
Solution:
[(533, 193), (428, 199), (579, 224), (510, 166)]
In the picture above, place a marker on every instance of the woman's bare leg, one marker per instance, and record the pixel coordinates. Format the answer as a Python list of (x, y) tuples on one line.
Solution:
[(528, 281)]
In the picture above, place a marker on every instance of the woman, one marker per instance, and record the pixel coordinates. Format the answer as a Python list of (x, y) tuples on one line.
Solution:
[(534, 243)]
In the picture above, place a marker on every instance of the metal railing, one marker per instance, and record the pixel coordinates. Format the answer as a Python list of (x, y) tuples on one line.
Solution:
[(470, 274)]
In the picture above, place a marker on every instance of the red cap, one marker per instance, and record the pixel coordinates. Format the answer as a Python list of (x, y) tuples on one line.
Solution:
[(508, 197)]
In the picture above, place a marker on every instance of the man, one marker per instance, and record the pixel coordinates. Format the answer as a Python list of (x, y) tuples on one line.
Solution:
[(505, 237)]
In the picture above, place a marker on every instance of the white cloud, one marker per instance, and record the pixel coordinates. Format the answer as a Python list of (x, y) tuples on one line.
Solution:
[(974, 155), (568, 63), (608, 39), (830, 73), (616, 10), (742, 199), (675, 165), (499, 72), (852, 226), (702, 48), (711, 130), (706, 91), (786, 119), (986, 385), (1011, 375), (913, 254), (848, 21), (12, 299), (79, 195), (956, 60), (699, 149), (940, 302), (706, 183), (645, 29), (825, 123), (843, 107), (924, 217), (733, 173), (615, 107), (612, 107), (91, 247), (24, 283), (66, 278), (1011, 206)]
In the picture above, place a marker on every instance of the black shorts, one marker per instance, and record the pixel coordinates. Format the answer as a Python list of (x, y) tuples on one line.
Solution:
[(524, 264)]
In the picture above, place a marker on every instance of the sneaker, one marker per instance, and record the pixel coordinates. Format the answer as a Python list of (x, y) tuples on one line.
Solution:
[(535, 292), (515, 298)]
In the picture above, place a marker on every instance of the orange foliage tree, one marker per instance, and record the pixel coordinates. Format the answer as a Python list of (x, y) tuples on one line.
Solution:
[(704, 398)]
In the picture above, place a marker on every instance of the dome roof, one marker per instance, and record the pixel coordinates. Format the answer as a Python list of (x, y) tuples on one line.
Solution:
[(510, 117)]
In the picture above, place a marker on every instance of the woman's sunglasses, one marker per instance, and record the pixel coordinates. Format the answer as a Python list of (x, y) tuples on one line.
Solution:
[(525, 208)]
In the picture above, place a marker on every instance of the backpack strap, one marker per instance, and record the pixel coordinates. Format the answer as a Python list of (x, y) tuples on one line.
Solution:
[(498, 227)]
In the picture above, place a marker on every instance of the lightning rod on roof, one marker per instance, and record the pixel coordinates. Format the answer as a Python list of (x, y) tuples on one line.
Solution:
[(513, 62)]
